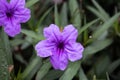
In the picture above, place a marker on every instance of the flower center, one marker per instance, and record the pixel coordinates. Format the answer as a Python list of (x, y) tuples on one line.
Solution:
[(60, 45), (9, 13)]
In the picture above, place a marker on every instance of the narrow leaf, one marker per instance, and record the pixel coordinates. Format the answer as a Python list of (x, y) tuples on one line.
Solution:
[(71, 71), (32, 34), (43, 71), (31, 2), (82, 75), (96, 46), (32, 68), (97, 13), (105, 26), (63, 15), (75, 13), (57, 21), (101, 10), (87, 26)]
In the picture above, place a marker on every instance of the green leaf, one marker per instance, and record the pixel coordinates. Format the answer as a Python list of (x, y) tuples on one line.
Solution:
[(4, 74), (43, 17), (113, 66), (101, 10), (104, 62), (71, 71), (75, 13), (63, 15), (97, 13), (87, 26), (32, 68), (31, 2), (16, 42), (43, 71), (5, 56), (57, 20), (105, 26), (96, 46), (82, 75), (32, 34), (7, 48), (53, 74)]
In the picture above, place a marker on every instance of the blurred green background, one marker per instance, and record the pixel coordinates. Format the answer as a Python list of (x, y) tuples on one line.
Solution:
[(98, 24)]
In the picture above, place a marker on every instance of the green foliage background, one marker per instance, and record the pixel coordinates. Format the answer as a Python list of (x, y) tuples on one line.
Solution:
[(99, 32)]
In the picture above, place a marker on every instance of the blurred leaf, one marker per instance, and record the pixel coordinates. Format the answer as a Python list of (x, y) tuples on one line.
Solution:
[(31, 2), (82, 75), (7, 48), (71, 71), (87, 26), (117, 27), (75, 13), (4, 74), (105, 26), (57, 21), (104, 62), (63, 15), (101, 10), (28, 42), (96, 46), (32, 68), (16, 42), (32, 34), (97, 13), (43, 71), (53, 74), (107, 76), (20, 58), (5, 56), (43, 17), (113, 66)]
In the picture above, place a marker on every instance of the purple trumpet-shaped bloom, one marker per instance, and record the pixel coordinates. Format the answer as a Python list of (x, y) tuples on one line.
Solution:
[(12, 14), (61, 46)]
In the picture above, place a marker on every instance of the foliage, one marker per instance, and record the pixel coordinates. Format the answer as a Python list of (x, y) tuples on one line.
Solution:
[(100, 37)]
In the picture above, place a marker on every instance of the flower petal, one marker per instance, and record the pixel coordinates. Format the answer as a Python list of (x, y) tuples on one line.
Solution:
[(59, 61), (12, 28), (74, 51), (22, 15), (69, 33), (3, 6), (52, 31), (44, 48), (17, 3)]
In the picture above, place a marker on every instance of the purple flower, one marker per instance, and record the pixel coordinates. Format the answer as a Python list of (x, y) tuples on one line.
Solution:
[(12, 14), (61, 46)]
